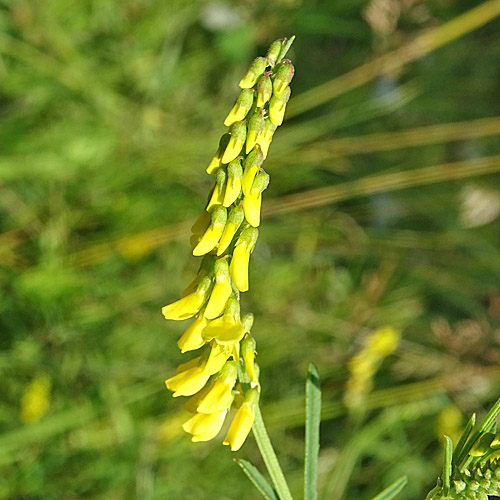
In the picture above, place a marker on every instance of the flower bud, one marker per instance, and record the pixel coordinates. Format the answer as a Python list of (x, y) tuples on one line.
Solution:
[(277, 107), (216, 160), (252, 163), (213, 234), (256, 69), (234, 220), (221, 291), (264, 90), (255, 127), (241, 107), (238, 131), (283, 75), (274, 52), (252, 202), (233, 185), (241, 256), (266, 136), (219, 189)]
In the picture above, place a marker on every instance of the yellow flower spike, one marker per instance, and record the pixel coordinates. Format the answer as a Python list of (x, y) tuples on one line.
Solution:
[(251, 164), (243, 421), (204, 427), (238, 131), (277, 107), (220, 395), (248, 354), (189, 305), (214, 232), (241, 255), (228, 329), (234, 220), (216, 162), (264, 90), (233, 184), (256, 69), (187, 382), (241, 107), (219, 189), (266, 136), (218, 355), (221, 291), (256, 125), (191, 339), (252, 202)]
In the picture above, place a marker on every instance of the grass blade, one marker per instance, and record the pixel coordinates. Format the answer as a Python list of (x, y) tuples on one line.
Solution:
[(313, 419), (391, 491), (448, 454), (258, 480), (463, 439)]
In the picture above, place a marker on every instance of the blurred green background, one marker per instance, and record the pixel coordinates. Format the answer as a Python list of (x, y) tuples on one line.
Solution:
[(383, 211)]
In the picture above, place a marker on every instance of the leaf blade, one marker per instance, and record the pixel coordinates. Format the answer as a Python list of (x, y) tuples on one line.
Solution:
[(257, 479), (391, 491)]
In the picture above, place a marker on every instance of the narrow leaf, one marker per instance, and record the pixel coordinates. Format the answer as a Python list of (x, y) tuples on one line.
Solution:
[(258, 480), (391, 491), (457, 456), (313, 419), (448, 454)]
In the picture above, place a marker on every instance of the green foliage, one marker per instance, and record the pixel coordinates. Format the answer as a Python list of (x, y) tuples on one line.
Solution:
[(110, 113)]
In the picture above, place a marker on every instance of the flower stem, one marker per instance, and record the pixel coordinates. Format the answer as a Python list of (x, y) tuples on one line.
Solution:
[(270, 458)]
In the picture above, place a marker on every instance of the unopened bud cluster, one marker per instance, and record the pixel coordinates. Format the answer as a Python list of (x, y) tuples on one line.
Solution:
[(225, 373)]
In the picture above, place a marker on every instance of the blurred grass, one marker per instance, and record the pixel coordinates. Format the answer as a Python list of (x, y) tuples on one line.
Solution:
[(381, 211)]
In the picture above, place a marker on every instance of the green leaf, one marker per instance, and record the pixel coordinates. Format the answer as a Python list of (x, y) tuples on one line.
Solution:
[(313, 419), (258, 480), (448, 454), (457, 456), (391, 491)]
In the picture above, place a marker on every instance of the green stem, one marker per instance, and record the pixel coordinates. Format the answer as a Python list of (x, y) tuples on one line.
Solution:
[(270, 458)]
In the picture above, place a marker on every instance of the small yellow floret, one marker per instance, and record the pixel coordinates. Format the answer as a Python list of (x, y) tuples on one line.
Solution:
[(208, 241), (226, 330), (239, 266), (226, 238), (240, 427), (218, 356), (217, 302), (191, 339), (248, 178), (233, 190), (204, 427), (184, 308), (187, 382), (251, 205)]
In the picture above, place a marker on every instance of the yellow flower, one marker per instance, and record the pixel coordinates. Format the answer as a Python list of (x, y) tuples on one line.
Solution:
[(213, 234), (248, 353), (277, 107), (238, 131), (233, 184), (243, 421), (35, 401), (189, 380), (234, 221), (256, 125), (191, 339), (241, 107), (216, 359), (221, 291), (252, 164), (252, 201), (217, 395), (241, 256), (266, 136), (227, 329), (216, 162), (189, 305), (205, 427)]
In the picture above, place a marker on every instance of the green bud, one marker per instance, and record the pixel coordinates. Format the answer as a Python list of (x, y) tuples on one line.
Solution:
[(248, 237), (261, 182), (217, 197), (221, 269), (216, 160), (277, 107), (241, 107), (229, 371), (255, 127), (219, 216), (266, 136), (252, 397), (238, 131), (286, 44), (282, 76), (256, 69), (459, 486), (264, 90), (473, 485), (248, 322), (232, 307), (274, 51)]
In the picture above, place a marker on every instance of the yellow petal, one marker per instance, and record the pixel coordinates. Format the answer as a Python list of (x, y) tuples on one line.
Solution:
[(193, 402), (205, 427), (184, 308), (201, 223), (226, 238), (240, 427), (233, 150), (218, 356), (248, 178), (190, 364), (217, 197), (239, 267), (208, 241), (217, 302), (251, 206), (252, 137), (187, 382), (218, 398), (233, 190), (191, 339), (225, 330)]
